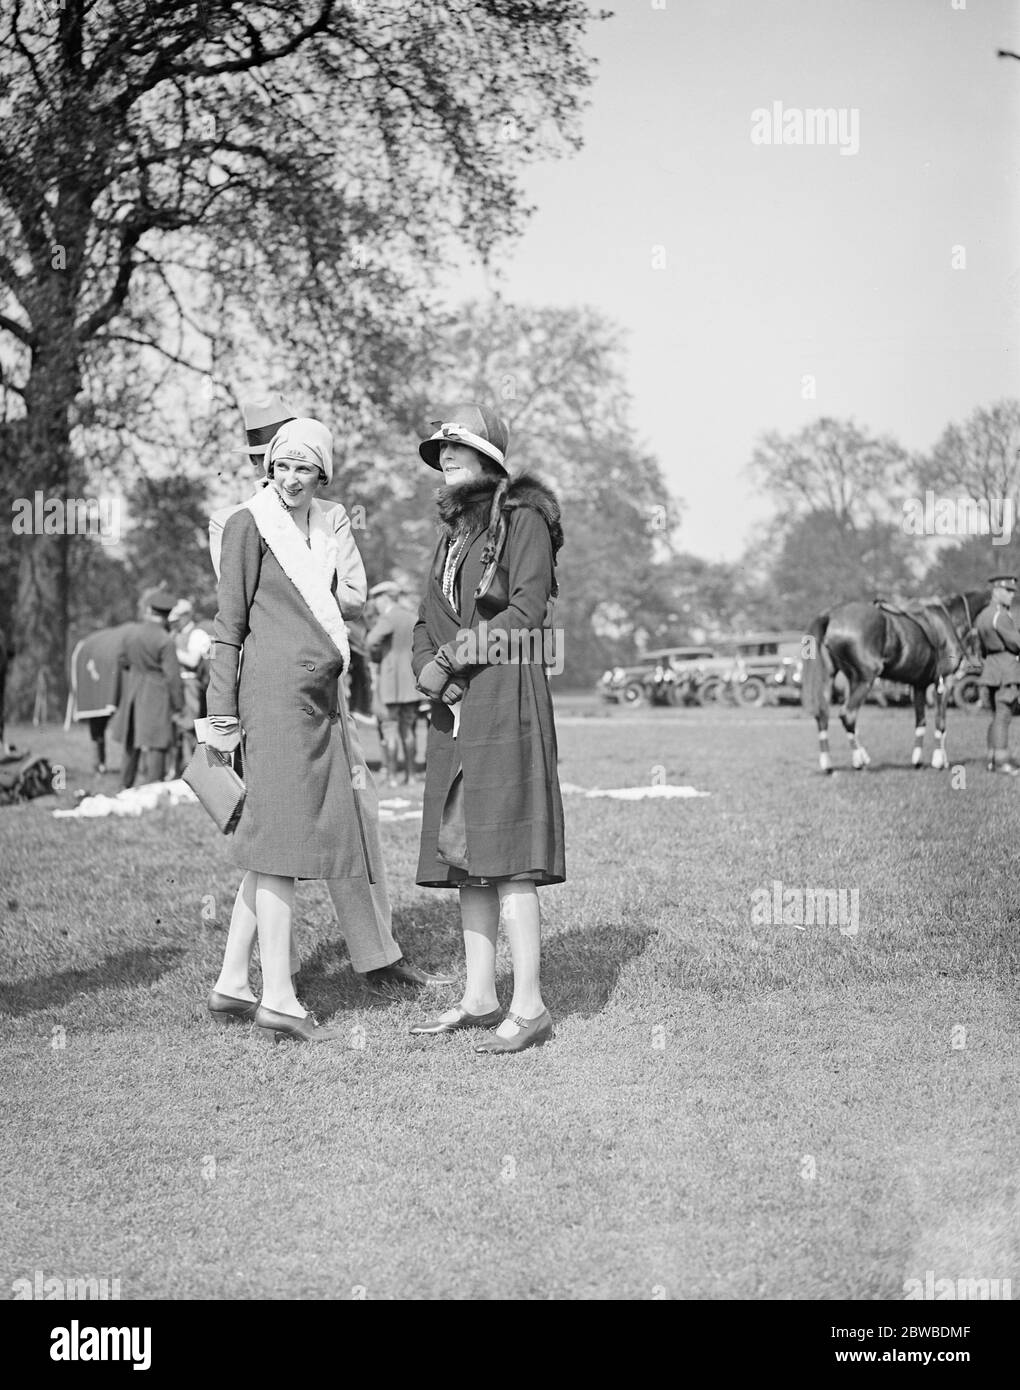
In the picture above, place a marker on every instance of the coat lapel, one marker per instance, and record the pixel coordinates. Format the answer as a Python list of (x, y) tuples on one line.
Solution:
[(310, 570), (438, 565)]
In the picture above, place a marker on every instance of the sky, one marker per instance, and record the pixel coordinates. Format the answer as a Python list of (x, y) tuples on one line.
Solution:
[(738, 268)]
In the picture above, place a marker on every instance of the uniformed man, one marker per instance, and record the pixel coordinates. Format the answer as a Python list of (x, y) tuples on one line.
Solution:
[(152, 696), (194, 648), (1000, 646)]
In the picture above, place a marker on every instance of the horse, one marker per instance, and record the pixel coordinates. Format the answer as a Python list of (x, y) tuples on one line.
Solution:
[(919, 645)]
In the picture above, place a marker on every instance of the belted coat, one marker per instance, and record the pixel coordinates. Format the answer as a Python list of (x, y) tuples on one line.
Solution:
[(303, 814), (1000, 644), (506, 741)]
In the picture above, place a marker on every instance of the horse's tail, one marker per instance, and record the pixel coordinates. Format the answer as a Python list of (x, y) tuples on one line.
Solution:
[(816, 668)]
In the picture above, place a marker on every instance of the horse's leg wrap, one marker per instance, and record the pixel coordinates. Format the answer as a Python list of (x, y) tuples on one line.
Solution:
[(939, 759), (858, 753), (824, 760), (917, 756)]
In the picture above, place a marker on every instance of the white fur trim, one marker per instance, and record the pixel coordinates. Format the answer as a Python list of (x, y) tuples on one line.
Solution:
[(311, 570)]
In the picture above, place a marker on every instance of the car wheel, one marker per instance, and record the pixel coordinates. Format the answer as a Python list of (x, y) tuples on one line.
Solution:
[(967, 694), (633, 693), (710, 691), (752, 692)]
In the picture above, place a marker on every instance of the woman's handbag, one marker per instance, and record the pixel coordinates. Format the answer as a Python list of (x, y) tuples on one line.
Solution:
[(451, 843), (212, 778)]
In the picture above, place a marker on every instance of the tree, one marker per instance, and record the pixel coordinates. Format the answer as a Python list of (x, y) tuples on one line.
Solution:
[(979, 459), (821, 562), (557, 375), (969, 565), (832, 467), (839, 529), (278, 184)]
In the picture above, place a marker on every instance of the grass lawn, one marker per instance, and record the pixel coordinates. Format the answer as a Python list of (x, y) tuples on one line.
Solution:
[(730, 1109)]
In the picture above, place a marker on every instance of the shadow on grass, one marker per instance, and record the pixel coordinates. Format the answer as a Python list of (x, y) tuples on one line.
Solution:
[(123, 971), (580, 968)]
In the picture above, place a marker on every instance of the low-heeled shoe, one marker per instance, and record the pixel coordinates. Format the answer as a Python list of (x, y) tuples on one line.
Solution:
[(533, 1033), (403, 972), (463, 1020), (224, 1008), (281, 1026)]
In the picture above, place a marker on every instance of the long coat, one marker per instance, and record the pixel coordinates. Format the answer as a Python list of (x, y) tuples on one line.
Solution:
[(506, 742), (393, 632), (151, 693), (303, 815)]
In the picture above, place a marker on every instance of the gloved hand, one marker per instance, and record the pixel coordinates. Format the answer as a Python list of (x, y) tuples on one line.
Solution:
[(432, 680), (453, 692), (223, 740)]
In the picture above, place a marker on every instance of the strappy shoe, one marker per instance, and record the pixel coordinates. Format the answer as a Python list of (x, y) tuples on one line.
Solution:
[(463, 1020), (533, 1033), (281, 1026)]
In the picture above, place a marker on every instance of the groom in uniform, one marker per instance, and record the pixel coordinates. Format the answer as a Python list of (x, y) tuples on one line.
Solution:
[(362, 908), (1000, 646)]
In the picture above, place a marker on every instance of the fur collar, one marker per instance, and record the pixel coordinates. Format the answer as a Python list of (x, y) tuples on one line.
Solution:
[(470, 506), (310, 570)]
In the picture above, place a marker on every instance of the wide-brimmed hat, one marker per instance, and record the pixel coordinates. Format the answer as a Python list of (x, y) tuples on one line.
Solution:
[(262, 418), (1005, 581), (159, 600), (305, 441), (468, 423), (180, 608)]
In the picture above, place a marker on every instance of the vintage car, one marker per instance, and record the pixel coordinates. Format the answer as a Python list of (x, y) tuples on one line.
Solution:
[(767, 668), (757, 668), (676, 674), (654, 678)]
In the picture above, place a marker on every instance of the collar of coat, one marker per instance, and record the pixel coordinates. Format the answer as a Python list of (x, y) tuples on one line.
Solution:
[(310, 569), (471, 506)]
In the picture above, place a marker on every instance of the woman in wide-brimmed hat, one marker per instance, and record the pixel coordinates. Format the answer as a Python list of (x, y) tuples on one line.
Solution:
[(492, 823)]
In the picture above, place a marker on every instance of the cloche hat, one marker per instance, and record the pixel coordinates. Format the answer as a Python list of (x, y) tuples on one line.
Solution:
[(305, 441), (468, 423)]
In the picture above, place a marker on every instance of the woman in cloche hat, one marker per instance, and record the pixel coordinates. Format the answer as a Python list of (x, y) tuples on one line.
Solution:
[(302, 814), (492, 824)]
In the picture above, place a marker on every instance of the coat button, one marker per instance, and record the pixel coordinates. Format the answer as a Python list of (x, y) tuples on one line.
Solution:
[(308, 709), (308, 665)]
